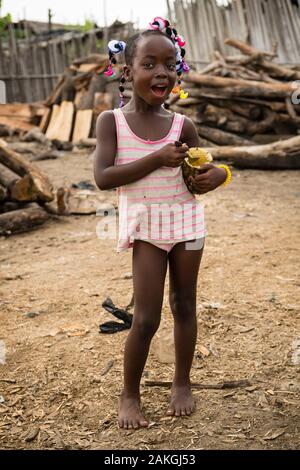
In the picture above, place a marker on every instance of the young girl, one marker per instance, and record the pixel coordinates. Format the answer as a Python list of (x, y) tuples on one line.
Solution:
[(136, 153)]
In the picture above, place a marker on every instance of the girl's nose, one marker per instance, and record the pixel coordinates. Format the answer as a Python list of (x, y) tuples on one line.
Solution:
[(161, 72)]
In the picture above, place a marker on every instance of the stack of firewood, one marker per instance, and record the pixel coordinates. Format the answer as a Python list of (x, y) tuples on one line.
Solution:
[(19, 117), (238, 102), (80, 95), (24, 190)]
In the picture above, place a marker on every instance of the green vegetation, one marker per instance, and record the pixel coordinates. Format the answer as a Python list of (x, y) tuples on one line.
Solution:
[(4, 21), (87, 26)]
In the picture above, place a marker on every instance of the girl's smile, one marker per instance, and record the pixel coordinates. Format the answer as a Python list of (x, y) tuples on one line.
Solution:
[(160, 90)]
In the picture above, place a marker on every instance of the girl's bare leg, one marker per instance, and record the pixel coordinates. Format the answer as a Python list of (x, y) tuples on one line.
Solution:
[(149, 267), (183, 269)]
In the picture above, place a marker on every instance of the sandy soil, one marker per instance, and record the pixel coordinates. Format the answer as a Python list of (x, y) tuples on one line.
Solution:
[(55, 389)]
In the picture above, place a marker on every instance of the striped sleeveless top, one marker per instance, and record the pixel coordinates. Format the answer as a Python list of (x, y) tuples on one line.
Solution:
[(158, 207)]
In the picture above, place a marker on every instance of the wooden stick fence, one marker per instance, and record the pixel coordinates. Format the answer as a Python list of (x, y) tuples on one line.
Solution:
[(30, 68), (205, 25)]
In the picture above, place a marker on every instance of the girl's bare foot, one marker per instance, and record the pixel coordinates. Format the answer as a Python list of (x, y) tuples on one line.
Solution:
[(182, 401), (130, 416)]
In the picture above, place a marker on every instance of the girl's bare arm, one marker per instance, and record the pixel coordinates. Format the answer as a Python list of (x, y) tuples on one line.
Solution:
[(106, 174)]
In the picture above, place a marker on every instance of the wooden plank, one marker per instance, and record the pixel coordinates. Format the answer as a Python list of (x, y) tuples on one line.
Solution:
[(54, 114), (61, 121), (45, 119), (83, 123)]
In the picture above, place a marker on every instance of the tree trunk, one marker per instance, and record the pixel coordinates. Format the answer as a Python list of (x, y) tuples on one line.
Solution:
[(281, 155), (40, 185), (220, 137), (3, 193), (238, 87), (22, 220), (273, 69)]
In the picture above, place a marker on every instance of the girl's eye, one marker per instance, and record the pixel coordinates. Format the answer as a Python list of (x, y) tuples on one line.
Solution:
[(171, 66), (148, 65)]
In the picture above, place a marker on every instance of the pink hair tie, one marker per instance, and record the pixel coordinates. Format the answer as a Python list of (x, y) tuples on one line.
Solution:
[(180, 41), (109, 71), (158, 23)]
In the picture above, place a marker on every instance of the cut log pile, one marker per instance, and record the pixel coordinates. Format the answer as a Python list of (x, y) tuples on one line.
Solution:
[(80, 95), (24, 190), (19, 117), (238, 102)]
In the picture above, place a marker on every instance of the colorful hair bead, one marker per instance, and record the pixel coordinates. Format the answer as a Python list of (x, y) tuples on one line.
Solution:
[(114, 47)]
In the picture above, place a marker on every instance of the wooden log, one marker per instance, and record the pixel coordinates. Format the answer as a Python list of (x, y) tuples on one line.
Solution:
[(228, 120), (8, 206), (16, 124), (7, 177), (3, 193), (221, 137), (18, 189), (27, 189), (239, 87), (272, 68), (5, 131), (40, 185), (211, 94), (91, 59), (36, 135), (190, 112), (22, 220), (281, 155), (18, 110), (102, 102), (97, 85), (220, 117), (188, 102), (90, 142), (247, 110)]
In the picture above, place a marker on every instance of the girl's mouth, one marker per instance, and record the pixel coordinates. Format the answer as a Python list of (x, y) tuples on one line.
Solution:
[(159, 90)]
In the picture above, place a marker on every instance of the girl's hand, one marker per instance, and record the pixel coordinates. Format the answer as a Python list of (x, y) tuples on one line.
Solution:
[(210, 178), (172, 155)]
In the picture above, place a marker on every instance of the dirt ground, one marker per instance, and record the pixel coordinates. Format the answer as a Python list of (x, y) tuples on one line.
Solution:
[(55, 387)]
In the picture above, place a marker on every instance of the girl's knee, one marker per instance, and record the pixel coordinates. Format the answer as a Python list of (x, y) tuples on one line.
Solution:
[(146, 327), (182, 305)]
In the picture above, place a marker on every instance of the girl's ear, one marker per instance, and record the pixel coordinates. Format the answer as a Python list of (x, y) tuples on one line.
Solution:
[(127, 73)]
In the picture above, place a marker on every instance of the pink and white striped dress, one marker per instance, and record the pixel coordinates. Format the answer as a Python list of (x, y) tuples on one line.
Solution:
[(157, 208)]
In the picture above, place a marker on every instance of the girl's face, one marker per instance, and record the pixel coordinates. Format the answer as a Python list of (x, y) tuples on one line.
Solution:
[(153, 72)]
